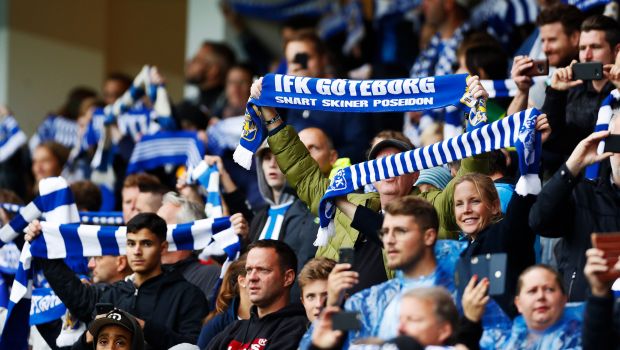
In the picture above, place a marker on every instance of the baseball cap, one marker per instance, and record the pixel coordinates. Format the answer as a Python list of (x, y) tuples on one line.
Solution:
[(399, 145), (119, 318)]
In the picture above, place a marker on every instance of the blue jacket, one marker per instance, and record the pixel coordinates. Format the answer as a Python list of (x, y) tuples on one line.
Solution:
[(565, 334), (372, 302)]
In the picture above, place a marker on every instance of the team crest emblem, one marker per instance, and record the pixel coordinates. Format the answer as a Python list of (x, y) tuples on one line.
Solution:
[(339, 182), (249, 128)]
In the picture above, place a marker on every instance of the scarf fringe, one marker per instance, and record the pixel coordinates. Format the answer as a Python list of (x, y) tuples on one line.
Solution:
[(528, 184)]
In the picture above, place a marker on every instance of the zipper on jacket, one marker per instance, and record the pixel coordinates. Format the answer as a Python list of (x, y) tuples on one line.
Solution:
[(570, 286), (133, 302)]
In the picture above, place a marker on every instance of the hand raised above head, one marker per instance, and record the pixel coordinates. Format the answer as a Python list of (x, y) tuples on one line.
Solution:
[(257, 88), (33, 230)]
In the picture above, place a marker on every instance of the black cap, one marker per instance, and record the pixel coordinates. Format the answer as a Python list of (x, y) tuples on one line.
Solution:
[(115, 317), (399, 145)]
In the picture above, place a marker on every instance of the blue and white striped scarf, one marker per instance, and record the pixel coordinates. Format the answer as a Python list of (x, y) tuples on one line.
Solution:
[(209, 178), (500, 134), (11, 137), (58, 129), (602, 123), (342, 95), (166, 147), (55, 203), (131, 116), (274, 222), (585, 5), (439, 57), (86, 217), (75, 240)]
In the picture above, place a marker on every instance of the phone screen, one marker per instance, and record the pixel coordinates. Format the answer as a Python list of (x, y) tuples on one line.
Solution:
[(301, 59), (346, 256)]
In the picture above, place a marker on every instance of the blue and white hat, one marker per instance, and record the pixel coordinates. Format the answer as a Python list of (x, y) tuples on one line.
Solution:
[(437, 176)]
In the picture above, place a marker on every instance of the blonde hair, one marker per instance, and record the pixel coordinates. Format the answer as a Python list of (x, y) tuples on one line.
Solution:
[(317, 269), (487, 192)]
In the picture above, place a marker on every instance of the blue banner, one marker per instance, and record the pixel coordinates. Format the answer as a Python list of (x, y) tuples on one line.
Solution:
[(343, 95)]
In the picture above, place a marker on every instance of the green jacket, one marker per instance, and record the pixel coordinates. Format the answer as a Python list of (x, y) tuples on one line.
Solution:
[(304, 175)]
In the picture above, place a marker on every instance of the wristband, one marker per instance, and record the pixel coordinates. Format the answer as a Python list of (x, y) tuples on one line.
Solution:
[(275, 119)]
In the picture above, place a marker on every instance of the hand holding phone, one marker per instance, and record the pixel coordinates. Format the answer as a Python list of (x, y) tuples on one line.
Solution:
[(489, 266), (612, 144), (341, 277), (588, 71), (538, 68), (609, 243), (346, 321)]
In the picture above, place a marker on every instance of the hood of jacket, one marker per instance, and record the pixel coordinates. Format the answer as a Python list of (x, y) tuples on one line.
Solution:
[(288, 194)]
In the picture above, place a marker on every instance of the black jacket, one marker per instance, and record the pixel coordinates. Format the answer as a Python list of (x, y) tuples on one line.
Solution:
[(573, 208), (512, 236), (280, 330), (601, 330), (171, 307), (572, 115), (204, 277)]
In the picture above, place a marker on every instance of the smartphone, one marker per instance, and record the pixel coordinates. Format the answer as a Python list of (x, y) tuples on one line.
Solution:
[(539, 67), (346, 256), (610, 244), (103, 308), (588, 71), (346, 321), (490, 266), (301, 59), (612, 144)]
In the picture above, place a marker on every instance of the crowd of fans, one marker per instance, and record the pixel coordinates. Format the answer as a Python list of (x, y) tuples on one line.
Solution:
[(404, 268)]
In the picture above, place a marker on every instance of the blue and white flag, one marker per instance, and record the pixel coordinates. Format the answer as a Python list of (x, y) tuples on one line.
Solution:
[(55, 203), (500, 134), (209, 178), (605, 113), (166, 147), (11, 137), (280, 10), (343, 95), (55, 200)]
